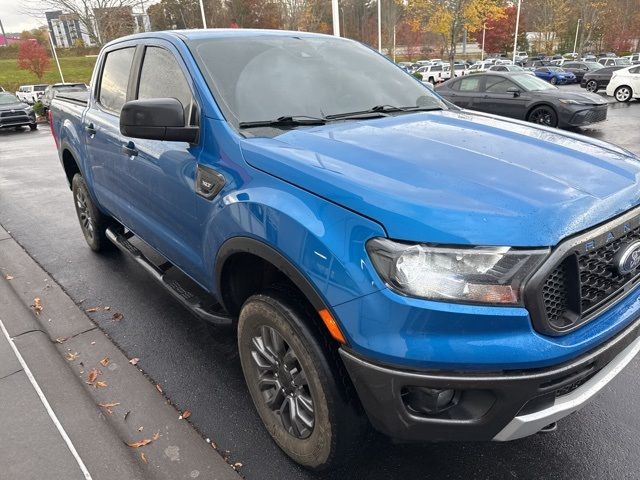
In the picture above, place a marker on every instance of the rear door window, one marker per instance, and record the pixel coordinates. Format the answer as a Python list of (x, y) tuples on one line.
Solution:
[(115, 79), (470, 84)]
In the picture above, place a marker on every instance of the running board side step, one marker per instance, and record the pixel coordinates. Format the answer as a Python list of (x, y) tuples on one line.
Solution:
[(200, 303)]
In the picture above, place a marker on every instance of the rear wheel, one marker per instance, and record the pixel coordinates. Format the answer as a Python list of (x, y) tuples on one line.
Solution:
[(544, 115), (92, 222), (296, 381), (623, 93), (592, 86)]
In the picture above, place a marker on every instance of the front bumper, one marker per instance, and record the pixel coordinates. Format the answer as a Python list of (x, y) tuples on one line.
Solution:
[(488, 406), (9, 119), (587, 115)]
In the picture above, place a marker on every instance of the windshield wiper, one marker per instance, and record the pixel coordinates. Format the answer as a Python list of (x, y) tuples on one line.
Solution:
[(285, 121), (380, 110)]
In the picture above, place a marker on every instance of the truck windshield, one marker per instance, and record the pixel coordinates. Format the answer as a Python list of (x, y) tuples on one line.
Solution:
[(265, 77)]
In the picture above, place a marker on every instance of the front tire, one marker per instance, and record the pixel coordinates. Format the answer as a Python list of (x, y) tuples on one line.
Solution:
[(296, 382), (33, 126), (92, 222), (592, 86), (543, 115), (623, 94), (553, 80)]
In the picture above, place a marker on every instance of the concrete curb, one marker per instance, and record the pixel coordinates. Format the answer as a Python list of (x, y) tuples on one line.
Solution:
[(61, 346)]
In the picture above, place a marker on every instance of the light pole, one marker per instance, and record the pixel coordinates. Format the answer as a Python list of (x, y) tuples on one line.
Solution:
[(380, 26), (55, 55), (515, 39), (575, 44), (484, 31), (335, 14), (204, 20)]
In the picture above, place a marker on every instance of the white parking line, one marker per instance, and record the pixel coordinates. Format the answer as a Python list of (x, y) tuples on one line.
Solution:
[(45, 402)]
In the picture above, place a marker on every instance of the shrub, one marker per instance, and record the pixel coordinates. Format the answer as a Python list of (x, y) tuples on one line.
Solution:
[(38, 108)]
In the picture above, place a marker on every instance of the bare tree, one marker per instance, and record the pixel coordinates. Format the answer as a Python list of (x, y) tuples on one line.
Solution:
[(85, 11)]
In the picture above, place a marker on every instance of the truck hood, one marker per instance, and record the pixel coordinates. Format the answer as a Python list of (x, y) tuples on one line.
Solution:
[(456, 177)]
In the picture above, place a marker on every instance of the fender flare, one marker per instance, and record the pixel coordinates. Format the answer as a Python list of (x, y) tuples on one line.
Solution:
[(260, 249), (65, 145)]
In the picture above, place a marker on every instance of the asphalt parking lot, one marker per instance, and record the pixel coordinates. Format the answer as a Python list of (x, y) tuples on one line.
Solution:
[(198, 369)]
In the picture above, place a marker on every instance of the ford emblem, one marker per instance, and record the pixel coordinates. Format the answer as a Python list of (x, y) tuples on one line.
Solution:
[(628, 258)]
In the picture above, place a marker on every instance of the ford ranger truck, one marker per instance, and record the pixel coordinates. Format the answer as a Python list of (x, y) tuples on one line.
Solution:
[(386, 258)]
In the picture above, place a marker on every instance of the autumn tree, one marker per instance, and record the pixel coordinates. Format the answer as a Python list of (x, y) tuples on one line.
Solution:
[(33, 57), (449, 18), (500, 30)]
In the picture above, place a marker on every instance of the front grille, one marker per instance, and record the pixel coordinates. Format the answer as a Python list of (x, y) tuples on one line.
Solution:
[(596, 115), (17, 113), (581, 278)]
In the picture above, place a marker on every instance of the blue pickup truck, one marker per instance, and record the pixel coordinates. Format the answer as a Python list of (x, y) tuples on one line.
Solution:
[(387, 259)]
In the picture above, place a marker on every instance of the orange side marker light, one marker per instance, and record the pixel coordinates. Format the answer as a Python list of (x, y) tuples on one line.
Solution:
[(332, 326)]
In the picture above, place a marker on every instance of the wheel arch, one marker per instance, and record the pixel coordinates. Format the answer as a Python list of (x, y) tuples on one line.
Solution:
[(541, 104), (234, 259), (70, 163)]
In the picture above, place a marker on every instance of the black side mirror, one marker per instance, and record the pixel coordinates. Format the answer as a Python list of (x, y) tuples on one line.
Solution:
[(156, 119), (514, 90)]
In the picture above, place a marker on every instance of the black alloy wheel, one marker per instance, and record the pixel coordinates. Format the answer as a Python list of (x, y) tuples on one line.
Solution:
[(544, 115)]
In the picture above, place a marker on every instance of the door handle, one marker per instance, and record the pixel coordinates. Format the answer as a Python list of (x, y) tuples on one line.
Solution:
[(91, 130), (129, 150)]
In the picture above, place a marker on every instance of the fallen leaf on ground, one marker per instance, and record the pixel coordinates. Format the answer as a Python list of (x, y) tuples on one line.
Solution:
[(140, 428), (156, 436), (105, 361), (92, 309), (8, 277), (140, 443), (71, 355), (109, 406), (143, 457), (237, 466), (107, 308), (37, 305), (186, 414), (62, 339), (126, 415), (134, 361), (117, 317), (93, 374), (101, 384), (158, 387)]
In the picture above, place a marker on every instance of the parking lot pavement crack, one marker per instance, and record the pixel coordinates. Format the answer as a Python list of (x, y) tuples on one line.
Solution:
[(12, 373), (29, 331)]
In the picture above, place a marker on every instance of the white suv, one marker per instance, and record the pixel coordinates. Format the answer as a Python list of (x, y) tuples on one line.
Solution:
[(434, 73), (30, 93)]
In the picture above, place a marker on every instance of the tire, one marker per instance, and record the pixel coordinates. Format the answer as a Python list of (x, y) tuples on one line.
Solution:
[(33, 126), (623, 93), (305, 371), (543, 115), (92, 222), (592, 86), (432, 81), (553, 80)]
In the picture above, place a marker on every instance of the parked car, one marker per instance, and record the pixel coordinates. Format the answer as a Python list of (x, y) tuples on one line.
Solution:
[(554, 75), (524, 97), (625, 84), (522, 57), (509, 68), (56, 88), (382, 257), (434, 73), (614, 62), (598, 79), (579, 69), (537, 64), (478, 67), (30, 94), (15, 113)]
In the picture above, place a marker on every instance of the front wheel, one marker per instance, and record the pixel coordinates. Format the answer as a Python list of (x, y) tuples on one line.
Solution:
[(92, 222), (623, 94), (592, 86), (33, 126), (296, 382), (553, 80), (544, 115)]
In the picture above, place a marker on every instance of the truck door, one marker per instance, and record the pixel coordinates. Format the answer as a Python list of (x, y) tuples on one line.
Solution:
[(160, 176), (102, 131)]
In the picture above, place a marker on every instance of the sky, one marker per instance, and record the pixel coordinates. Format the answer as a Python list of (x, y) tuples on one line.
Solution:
[(13, 18)]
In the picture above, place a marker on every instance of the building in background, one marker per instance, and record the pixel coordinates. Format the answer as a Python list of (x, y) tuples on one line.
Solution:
[(66, 29)]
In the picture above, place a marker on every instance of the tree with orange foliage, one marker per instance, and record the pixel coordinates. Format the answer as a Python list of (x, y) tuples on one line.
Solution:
[(33, 57)]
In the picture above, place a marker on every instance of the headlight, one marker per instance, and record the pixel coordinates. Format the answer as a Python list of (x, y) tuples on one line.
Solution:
[(570, 101), (472, 275)]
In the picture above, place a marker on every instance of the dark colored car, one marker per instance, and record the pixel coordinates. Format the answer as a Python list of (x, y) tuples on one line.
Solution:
[(598, 79), (524, 97), (14, 113), (555, 75), (52, 90), (579, 69)]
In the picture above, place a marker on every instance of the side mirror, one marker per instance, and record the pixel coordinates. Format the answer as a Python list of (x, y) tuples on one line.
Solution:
[(514, 90), (156, 119)]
